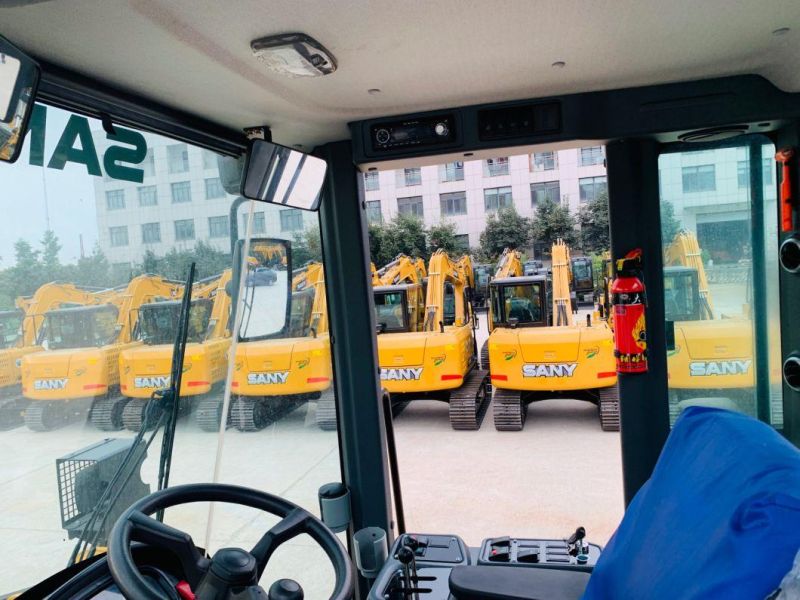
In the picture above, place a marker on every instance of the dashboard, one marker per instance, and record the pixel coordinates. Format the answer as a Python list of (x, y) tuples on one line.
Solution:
[(434, 567)]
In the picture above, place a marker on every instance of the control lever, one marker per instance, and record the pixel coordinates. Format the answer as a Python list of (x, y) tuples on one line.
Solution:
[(575, 542), (406, 556)]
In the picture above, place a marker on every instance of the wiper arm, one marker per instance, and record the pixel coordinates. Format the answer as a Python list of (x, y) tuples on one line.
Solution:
[(172, 395)]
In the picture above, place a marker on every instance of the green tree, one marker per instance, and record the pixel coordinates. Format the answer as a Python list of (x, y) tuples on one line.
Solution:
[(404, 234), (593, 221), (305, 247), (26, 275), (552, 221), (51, 266), (443, 236), (379, 245), (504, 229), (150, 262), (93, 270), (670, 226)]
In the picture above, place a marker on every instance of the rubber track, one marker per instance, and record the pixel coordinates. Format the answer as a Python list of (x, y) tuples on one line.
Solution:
[(207, 415), (608, 408), (255, 413), (11, 412), (468, 403), (133, 414), (326, 411), (106, 413), (509, 411), (41, 415)]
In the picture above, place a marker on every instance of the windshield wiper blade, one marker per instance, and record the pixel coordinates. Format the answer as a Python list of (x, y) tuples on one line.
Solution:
[(171, 396)]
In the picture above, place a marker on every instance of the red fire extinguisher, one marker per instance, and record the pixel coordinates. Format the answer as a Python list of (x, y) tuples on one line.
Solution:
[(628, 298)]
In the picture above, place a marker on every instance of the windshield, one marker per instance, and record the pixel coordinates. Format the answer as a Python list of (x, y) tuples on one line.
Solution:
[(680, 296), (520, 302), (158, 322), (582, 271), (10, 328), (390, 311), (116, 220), (80, 328)]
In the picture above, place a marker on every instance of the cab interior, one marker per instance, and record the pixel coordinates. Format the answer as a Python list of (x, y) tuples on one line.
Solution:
[(448, 81)]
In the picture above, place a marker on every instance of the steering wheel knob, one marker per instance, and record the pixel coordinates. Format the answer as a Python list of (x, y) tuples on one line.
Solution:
[(235, 566), (285, 589)]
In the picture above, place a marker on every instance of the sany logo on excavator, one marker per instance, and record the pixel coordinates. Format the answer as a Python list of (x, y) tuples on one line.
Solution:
[(267, 378), (408, 374), (549, 370), (158, 381), (703, 368), (50, 384)]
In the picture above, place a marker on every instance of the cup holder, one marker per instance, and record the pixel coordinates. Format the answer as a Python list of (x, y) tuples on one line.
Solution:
[(790, 254), (791, 371)]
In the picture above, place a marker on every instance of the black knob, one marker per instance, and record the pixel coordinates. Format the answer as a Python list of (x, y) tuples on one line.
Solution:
[(405, 555), (383, 136), (411, 542), (285, 589)]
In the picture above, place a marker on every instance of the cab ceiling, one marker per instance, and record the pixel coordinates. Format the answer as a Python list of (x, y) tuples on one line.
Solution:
[(422, 54)]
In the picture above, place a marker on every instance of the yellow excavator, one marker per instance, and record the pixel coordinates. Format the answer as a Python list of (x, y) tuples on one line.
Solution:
[(19, 331), (536, 351), (438, 361), (274, 376), (145, 369), (80, 366), (399, 293), (712, 354)]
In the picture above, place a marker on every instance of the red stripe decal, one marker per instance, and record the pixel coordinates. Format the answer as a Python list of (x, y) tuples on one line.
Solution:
[(499, 377), (94, 386), (317, 380), (197, 383), (451, 377), (604, 374)]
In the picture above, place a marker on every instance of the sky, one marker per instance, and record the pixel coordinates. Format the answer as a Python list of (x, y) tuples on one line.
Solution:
[(69, 193)]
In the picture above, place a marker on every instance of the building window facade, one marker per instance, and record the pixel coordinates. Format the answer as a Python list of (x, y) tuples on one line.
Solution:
[(452, 171), (118, 236), (259, 222), (372, 181), (149, 164), (291, 219), (409, 177), (545, 190), (411, 206), (181, 192), (214, 188), (544, 161), (147, 195), (701, 178), (184, 229), (209, 160), (453, 204), (151, 233), (493, 167), (591, 156), (115, 199), (178, 158), (218, 227), (496, 198), (592, 187), (374, 214), (743, 172)]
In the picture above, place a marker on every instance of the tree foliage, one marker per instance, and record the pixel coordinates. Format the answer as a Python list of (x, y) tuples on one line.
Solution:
[(593, 221), (305, 247), (404, 234), (670, 226), (552, 222), (504, 229), (443, 237)]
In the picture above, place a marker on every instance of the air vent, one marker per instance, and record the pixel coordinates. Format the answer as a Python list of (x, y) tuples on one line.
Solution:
[(714, 134)]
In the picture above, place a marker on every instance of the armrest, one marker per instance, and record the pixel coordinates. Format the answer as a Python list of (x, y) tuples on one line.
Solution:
[(513, 583)]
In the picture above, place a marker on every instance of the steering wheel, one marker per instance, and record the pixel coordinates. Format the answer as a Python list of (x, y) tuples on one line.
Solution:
[(230, 568)]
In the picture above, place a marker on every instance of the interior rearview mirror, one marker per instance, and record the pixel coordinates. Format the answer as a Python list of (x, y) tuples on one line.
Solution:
[(19, 79), (267, 304), (280, 175)]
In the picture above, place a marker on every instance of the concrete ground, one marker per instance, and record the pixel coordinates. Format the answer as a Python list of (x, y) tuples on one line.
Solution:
[(561, 471)]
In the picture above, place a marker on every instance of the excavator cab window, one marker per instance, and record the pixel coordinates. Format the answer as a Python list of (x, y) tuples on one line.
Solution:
[(158, 321), (10, 328), (302, 303), (681, 295), (449, 305), (81, 327), (522, 303), (391, 311)]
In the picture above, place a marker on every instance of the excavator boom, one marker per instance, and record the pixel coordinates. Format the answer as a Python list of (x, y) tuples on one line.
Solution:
[(684, 251), (562, 310)]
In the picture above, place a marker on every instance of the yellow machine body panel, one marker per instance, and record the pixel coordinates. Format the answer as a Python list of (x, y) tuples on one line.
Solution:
[(417, 362), (552, 358), (712, 354), (283, 367)]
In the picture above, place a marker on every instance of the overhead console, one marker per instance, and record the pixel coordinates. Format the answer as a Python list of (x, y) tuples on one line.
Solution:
[(668, 112), (438, 567)]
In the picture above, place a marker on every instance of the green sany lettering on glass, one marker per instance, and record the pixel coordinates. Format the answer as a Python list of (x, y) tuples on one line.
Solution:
[(118, 154), (77, 127), (37, 126)]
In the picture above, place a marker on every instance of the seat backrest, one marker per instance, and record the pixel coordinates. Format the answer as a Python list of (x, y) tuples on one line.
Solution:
[(719, 517)]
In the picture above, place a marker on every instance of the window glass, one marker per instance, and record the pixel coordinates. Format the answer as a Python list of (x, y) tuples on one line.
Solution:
[(591, 188), (372, 181), (544, 161), (374, 214), (410, 206), (453, 171), (291, 220), (389, 313), (493, 167), (214, 188), (496, 198), (522, 302), (712, 282), (77, 372), (546, 190), (453, 203), (409, 177), (591, 156)]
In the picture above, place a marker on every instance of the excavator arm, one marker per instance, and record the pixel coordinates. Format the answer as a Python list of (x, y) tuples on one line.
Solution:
[(221, 310), (141, 290), (684, 251), (441, 271), (48, 297), (562, 310), (402, 270), (509, 264)]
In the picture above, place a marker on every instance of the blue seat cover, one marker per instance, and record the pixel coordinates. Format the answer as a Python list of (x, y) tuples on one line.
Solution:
[(719, 518)]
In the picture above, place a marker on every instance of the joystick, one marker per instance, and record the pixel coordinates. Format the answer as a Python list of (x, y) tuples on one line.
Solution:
[(406, 556), (575, 542)]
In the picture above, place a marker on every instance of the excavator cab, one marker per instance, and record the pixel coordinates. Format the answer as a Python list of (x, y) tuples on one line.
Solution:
[(681, 295), (80, 327), (520, 301), (158, 321), (393, 312), (10, 328)]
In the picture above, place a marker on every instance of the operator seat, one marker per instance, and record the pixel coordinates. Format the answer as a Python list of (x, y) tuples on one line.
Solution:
[(719, 518)]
